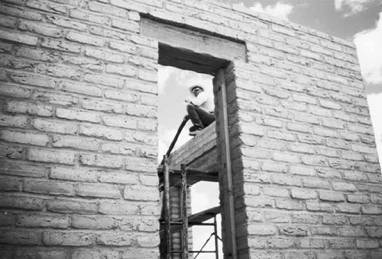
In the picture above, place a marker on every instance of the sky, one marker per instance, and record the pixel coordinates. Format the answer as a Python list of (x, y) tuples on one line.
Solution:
[(359, 21)]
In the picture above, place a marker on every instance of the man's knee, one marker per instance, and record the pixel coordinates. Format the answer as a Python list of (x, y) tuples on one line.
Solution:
[(190, 107)]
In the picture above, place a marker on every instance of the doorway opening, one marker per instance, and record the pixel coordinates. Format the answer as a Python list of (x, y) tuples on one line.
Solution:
[(201, 52), (173, 89)]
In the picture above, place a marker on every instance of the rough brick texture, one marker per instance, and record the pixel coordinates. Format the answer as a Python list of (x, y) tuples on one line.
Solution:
[(78, 122)]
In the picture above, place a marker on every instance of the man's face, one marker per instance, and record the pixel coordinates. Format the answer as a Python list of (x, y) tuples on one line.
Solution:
[(196, 91)]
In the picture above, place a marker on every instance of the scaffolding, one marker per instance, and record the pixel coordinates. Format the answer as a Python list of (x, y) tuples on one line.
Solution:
[(183, 179)]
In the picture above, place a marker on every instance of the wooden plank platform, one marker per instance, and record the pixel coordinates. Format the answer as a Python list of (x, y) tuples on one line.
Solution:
[(198, 153)]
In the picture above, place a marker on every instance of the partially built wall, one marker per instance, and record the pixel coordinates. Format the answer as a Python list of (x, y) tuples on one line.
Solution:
[(78, 118)]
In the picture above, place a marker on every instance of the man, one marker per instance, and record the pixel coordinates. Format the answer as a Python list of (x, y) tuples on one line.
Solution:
[(200, 108)]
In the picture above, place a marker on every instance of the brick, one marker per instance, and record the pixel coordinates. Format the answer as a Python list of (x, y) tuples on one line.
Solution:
[(81, 115), (144, 223), (115, 239), (302, 170), (72, 206), (43, 220), (315, 183), (51, 156), (325, 132), (94, 253), (274, 191), (59, 70), (141, 110), (20, 12), (348, 208), (29, 108), (94, 222), (334, 219), (7, 219), (47, 6), (32, 79), (8, 183), (148, 124), (56, 98), (18, 121), (21, 202), (331, 196), (18, 37), (88, 16), (319, 206), (118, 208), (120, 121), (274, 167), (341, 243), (286, 157), (357, 198), (305, 218), (140, 164), (343, 186), (286, 180), (14, 90), (62, 45), (299, 127), (85, 38), (124, 70), (376, 198), (122, 46), (58, 126), (49, 187), (125, 24), (137, 192), (375, 232), (367, 243), (329, 104), (150, 209), (12, 152), (41, 28), (281, 135), (292, 230), (289, 204), (372, 209), (121, 95), (98, 190), (68, 238), (102, 160), (43, 254), (20, 237), (261, 230), (104, 8), (333, 123), (351, 231), (104, 55), (123, 178), (7, 21), (24, 137), (272, 242), (71, 174), (66, 22), (37, 54), (148, 240), (102, 105), (100, 131), (75, 142), (303, 194)]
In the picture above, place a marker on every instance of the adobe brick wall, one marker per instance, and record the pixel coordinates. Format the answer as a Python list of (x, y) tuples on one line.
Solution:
[(79, 121)]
